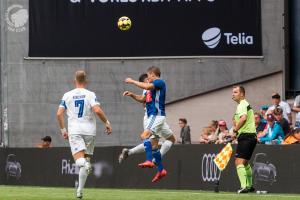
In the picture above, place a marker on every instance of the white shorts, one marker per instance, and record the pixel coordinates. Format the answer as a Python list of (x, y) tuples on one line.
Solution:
[(158, 126), (84, 143), (145, 122)]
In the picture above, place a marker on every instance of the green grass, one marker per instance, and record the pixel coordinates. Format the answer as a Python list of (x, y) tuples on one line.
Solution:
[(47, 193)]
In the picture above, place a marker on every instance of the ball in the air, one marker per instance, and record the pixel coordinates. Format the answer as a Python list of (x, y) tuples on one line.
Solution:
[(124, 23)]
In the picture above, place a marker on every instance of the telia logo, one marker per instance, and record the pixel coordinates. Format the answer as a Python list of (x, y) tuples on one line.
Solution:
[(211, 37)]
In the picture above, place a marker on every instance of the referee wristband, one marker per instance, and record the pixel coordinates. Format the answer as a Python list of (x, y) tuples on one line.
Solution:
[(63, 131)]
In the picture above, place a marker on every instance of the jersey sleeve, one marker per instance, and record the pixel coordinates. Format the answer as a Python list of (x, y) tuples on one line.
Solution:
[(93, 100), (297, 102), (158, 84), (242, 109), (144, 92), (288, 108), (63, 102)]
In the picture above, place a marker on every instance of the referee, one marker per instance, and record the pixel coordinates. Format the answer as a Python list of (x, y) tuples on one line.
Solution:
[(246, 136)]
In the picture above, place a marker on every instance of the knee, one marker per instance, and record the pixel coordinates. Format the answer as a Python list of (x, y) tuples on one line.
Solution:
[(80, 162)]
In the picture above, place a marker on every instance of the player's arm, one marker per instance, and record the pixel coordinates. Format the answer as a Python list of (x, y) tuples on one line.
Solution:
[(142, 85), (99, 112), (138, 98), (61, 122)]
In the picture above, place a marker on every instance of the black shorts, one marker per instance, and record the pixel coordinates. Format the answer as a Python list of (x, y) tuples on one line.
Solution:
[(246, 146)]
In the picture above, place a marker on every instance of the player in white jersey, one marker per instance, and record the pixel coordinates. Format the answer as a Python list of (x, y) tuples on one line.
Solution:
[(81, 106)]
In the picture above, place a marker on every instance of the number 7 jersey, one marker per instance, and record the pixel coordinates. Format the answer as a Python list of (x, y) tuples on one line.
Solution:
[(81, 119)]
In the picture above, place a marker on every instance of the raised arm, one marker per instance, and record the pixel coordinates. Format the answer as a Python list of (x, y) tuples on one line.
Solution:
[(142, 85), (138, 98)]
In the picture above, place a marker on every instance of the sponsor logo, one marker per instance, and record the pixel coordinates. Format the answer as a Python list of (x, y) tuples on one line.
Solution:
[(210, 171), (263, 170), (212, 37), (13, 167), (99, 168), (16, 18)]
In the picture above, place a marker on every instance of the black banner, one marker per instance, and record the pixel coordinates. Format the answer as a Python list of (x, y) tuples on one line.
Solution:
[(274, 169), (160, 28)]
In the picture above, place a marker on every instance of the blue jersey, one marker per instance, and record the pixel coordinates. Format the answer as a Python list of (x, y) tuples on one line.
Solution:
[(155, 99)]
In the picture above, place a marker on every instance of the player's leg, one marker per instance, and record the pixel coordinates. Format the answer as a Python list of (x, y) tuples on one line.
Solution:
[(167, 133), (151, 126), (78, 149), (245, 148), (135, 150), (158, 161), (145, 136)]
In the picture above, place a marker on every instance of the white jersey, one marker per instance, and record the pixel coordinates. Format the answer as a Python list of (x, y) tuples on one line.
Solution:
[(81, 118)]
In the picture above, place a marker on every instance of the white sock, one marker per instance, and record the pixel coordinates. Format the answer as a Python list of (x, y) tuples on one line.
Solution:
[(80, 162), (137, 149), (165, 147), (83, 174)]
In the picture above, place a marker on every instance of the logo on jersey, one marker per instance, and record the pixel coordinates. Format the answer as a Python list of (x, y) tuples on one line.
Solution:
[(148, 96)]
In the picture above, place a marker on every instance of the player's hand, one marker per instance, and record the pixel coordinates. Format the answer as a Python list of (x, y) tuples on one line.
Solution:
[(64, 133), (65, 136), (108, 128), (129, 80), (127, 93)]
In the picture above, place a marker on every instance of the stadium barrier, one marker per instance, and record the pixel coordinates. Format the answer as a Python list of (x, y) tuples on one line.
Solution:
[(275, 169)]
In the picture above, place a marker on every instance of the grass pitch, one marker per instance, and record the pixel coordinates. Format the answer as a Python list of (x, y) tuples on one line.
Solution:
[(47, 193)]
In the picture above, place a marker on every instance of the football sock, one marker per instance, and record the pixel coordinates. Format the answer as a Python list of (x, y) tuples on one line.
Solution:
[(137, 149), (157, 156), (148, 149), (165, 147), (249, 175), (80, 162), (83, 174), (242, 174)]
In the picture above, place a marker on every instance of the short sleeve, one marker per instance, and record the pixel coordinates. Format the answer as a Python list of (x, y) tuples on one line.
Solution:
[(242, 109), (287, 108), (297, 101), (93, 100), (63, 102), (158, 84), (144, 92)]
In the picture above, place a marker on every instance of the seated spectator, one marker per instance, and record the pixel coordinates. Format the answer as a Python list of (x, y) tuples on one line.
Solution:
[(224, 135), (209, 134), (260, 124), (282, 121), (274, 133), (293, 138), (263, 110), (46, 142), (185, 133), (283, 105)]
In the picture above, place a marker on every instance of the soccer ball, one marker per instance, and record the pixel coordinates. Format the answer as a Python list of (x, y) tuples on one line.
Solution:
[(124, 23)]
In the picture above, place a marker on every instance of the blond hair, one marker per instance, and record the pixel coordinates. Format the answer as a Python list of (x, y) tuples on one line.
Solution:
[(80, 76)]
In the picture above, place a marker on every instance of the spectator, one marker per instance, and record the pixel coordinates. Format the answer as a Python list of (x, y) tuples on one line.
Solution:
[(185, 133), (296, 108), (46, 142), (260, 123), (224, 135), (209, 134), (283, 105), (293, 138), (274, 134), (263, 110), (282, 121)]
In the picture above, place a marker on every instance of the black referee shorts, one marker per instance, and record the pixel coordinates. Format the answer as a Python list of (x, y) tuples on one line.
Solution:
[(246, 146)]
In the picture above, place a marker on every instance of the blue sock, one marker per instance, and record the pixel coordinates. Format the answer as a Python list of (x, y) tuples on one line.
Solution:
[(157, 156), (148, 149)]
